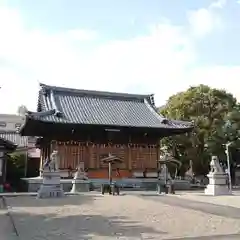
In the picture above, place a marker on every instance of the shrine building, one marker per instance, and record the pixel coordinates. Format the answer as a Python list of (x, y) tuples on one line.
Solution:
[(84, 126)]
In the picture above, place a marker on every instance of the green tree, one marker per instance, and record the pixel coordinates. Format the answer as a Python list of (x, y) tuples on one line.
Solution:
[(215, 115), (16, 169)]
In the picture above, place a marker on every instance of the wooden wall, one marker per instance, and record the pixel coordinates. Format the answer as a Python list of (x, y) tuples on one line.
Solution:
[(139, 150), (134, 156)]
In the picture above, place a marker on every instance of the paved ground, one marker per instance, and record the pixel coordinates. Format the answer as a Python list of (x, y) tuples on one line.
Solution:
[(208, 208), (197, 201), (6, 228), (132, 216), (228, 200)]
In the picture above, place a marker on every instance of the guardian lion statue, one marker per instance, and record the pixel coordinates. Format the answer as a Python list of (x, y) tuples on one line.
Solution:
[(53, 163), (215, 165)]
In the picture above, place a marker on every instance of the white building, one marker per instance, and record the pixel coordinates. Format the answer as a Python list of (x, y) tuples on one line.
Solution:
[(10, 122)]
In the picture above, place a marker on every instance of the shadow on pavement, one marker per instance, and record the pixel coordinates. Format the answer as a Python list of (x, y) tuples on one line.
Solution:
[(84, 226), (209, 208), (28, 201), (215, 237)]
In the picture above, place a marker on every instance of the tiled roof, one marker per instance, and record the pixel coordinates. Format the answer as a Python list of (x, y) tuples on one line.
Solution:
[(7, 144), (64, 105), (14, 137), (20, 142)]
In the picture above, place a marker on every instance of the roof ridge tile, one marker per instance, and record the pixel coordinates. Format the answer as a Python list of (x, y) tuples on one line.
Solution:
[(45, 88)]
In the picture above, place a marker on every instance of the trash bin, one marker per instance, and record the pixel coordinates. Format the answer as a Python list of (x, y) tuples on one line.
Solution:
[(171, 189)]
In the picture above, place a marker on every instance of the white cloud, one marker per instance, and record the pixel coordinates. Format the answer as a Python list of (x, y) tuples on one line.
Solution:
[(204, 20), (218, 4), (162, 62), (82, 35), (223, 77), (149, 60), (201, 21)]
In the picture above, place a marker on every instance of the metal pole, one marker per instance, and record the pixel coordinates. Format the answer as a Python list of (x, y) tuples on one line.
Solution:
[(166, 174), (228, 163), (26, 164)]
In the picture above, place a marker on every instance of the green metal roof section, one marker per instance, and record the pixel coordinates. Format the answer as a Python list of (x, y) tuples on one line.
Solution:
[(73, 106)]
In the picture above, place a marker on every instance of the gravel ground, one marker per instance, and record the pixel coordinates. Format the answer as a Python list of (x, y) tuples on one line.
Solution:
[(113, 217)]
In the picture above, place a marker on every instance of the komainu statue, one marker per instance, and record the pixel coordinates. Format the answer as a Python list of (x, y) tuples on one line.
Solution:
[(52, 163), (215, 165), (80, 173)]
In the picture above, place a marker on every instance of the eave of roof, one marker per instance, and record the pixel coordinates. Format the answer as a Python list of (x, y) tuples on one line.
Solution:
[(10, 146)]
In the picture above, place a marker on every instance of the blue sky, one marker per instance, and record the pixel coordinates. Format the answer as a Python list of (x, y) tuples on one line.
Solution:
[(137, 46)]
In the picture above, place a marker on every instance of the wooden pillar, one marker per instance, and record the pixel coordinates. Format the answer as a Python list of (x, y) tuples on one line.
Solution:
[(80, 155), (90, 155), (41, 161), (97, 164), (158, 153), (129, 157), (47, 146), (129, 153), (44, 154), (69, 162), (53, 146), (65, 155)]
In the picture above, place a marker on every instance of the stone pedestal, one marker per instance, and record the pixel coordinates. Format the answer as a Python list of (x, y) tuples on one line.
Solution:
[(51, 186), (80, 185), (164, 173), (217, 180), (217, 185)]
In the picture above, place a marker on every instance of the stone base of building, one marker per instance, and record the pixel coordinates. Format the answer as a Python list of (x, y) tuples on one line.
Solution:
[(80, 185), (34, 184)]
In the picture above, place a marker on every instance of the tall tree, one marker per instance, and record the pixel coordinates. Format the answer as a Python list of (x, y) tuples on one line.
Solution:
[(214, 113)]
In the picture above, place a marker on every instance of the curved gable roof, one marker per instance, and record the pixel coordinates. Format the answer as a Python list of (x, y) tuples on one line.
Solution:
[(74, 106)]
